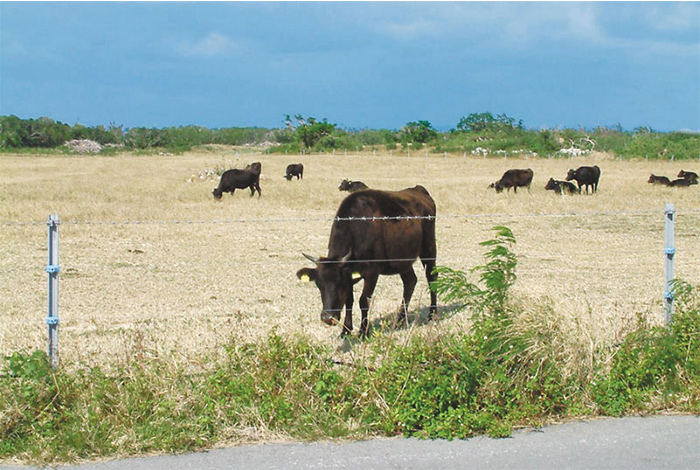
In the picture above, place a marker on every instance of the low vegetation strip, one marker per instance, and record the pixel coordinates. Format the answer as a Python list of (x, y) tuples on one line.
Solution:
[(517, 365), (477, 134)]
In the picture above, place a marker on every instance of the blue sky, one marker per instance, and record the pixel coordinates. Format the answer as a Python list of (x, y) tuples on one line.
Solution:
[(360, 65)]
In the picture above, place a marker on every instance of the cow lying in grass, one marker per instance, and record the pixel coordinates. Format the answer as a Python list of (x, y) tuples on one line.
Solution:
[(653, 179), (351, 186), (561, 187)]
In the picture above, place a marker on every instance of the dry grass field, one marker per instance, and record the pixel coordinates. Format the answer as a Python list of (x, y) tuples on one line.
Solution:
[(152, 264)]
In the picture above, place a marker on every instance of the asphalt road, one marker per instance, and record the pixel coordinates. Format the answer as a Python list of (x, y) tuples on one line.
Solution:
[(662, 442)]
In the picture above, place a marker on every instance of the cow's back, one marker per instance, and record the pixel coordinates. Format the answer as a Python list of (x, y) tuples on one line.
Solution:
[(377, 224), (588, 174), (230, 178)]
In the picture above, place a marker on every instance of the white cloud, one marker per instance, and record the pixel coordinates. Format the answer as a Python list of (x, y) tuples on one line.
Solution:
[(516, 25), (214, 44)]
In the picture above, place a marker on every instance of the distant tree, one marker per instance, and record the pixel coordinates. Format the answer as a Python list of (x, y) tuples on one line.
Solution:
[(421, 131), (311, 132), (10, 132), (480, 122), (44, 132), (143, 138)]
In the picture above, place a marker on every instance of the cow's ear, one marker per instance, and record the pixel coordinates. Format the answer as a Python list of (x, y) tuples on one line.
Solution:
[(306, 274), (356, 269)]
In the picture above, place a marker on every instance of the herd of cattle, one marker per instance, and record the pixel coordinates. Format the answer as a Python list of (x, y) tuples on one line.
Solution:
[(378, 233), (249, 177), (684, 178), (587, 176)]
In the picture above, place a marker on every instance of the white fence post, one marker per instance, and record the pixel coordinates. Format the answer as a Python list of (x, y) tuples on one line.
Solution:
[(52, 269), (669, 253)]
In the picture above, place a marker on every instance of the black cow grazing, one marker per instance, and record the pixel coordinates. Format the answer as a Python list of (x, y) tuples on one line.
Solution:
[(513, 179), (682, 182), (294, 169), (688, 175), (365, 249), (239, 179), (585, 176), (560, 187), (352, 186), (653, 179)]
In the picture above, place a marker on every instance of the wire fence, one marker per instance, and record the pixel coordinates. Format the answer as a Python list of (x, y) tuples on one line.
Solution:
[(297, 219), (174, 280)]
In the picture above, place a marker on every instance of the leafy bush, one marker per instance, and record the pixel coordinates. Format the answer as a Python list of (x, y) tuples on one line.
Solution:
[(655, 363)]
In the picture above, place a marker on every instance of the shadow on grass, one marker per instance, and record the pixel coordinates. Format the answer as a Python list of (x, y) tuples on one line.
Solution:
[(415, 318)]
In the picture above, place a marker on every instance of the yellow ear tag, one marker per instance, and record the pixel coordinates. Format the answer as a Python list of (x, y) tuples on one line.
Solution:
[(356, 275), (305, 278)]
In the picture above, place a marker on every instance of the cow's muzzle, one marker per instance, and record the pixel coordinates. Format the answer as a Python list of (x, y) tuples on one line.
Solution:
[(330, 319)]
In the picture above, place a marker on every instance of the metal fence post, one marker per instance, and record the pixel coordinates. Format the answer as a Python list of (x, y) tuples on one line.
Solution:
[(52, 269), (669, 253)]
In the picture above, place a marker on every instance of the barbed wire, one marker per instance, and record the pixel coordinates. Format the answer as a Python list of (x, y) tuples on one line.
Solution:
[(333, 219), (82, 268)]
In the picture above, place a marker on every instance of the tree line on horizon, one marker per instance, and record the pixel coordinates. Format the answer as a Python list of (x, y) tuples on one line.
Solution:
[(476, 133)]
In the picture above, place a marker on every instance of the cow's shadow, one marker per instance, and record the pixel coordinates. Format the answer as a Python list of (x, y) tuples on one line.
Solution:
[(387, 324), (419, 317)]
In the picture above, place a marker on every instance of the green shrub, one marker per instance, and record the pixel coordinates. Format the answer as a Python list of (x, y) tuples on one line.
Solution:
[(653, 365)]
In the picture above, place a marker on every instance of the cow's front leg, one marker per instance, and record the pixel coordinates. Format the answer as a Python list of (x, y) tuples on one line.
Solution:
[(347, 325), (367, 291)]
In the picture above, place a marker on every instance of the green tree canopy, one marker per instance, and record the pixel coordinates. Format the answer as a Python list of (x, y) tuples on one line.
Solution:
[(421, 131), (480, 122), (311, 132)]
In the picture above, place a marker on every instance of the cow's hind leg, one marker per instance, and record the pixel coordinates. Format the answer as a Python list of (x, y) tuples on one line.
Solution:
[(431, 277), (409, 284)]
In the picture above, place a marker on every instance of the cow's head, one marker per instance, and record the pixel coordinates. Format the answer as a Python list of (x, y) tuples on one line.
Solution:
[(255, 167), (217, 193), (551, 184), (334, 278), (497, 186), (571, 175)]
